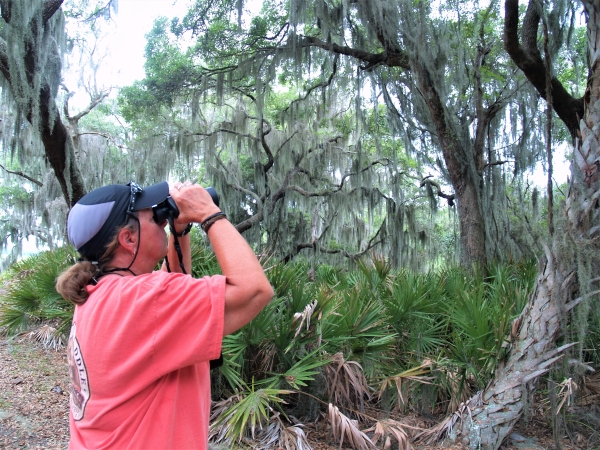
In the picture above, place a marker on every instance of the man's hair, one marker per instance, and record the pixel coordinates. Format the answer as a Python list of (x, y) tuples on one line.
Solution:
[(71, 284)]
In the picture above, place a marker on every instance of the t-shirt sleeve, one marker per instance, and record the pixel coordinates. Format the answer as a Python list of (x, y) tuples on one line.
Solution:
[(189, 317)]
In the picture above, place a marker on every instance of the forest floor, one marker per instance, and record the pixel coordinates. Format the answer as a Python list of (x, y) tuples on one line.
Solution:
[(34, 407)]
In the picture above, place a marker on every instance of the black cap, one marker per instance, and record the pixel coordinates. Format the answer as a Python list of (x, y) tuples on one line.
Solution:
[(94, 219)]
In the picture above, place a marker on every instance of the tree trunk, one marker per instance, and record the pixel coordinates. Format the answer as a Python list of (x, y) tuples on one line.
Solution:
[(58, 144), (461, 163), (528, 58), (488, 417)]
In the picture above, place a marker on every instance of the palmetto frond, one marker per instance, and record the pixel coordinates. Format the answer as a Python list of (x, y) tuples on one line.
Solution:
[(304, 370), (419, 374), (456, 381), (389, 430), (233, 349), (242, 413), (346, 429), (204, 261), (347, 385), (30, 298), (281, 436), (49, 337), (375, 272)]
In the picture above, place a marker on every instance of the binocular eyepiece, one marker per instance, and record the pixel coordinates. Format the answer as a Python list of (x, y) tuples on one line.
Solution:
[(167, 209)]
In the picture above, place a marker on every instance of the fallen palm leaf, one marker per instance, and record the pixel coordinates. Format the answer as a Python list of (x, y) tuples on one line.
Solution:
[(278, 435), (343, 427), (388, 430), (567, 387), (48, 336)]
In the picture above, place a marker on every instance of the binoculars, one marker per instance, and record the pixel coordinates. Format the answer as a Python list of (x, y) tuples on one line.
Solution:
[(167, 209)]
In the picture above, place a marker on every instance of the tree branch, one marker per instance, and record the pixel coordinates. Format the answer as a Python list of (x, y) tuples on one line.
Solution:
[(390, 59), (322, 84), (21, 174), (449, 197), (49, 9), (93, 103), (528, 58), (370, 244)]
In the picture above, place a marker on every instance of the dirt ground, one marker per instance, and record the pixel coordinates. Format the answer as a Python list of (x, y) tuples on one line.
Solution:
[(34, 405)]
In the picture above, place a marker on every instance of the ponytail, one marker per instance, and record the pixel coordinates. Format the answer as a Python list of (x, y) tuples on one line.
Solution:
[(72, 283)]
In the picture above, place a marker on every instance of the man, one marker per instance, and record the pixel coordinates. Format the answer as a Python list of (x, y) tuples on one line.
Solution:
[(141, 340)]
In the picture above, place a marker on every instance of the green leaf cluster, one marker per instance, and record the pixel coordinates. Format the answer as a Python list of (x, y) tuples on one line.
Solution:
[(29, 299)]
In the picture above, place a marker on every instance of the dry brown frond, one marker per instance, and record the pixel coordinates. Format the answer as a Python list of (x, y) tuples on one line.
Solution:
[(343, 427), (388, 429), (458, 394), (218, 408), (347, 385), (219, 433), (447, 427), (48, 336), (436, 432), (264, 360), (567, 387), (304, 316), (278, 435)]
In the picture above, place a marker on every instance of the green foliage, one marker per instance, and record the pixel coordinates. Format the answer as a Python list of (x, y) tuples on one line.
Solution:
[(30, 300), (571, 64), (251, 410), (418, 339), (436, 335), (14, 199), (204, 262)]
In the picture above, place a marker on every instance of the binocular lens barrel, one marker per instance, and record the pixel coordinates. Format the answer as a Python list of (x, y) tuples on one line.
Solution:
[(168, 208), (213, 194)]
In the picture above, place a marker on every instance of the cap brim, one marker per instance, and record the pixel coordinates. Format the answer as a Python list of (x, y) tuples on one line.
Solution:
[(151, 196)]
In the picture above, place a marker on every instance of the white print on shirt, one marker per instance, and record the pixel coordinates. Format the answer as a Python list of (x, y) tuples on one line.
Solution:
[(80, 388)]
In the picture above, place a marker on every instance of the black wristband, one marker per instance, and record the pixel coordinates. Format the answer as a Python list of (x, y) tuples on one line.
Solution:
[(212, 219), (184, 232)]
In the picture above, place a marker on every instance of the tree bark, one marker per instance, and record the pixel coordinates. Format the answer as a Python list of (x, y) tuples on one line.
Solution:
[(528, 58), (488, 417), (466, 179), (58, 144)]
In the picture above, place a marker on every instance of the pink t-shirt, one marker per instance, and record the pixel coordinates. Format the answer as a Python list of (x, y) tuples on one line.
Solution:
[(139, 355)]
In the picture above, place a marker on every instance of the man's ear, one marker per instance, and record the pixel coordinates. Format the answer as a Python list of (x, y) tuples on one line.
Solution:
[(128, 240)]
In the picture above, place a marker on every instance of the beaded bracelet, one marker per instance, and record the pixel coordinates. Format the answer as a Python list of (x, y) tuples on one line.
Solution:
[(212, 219)]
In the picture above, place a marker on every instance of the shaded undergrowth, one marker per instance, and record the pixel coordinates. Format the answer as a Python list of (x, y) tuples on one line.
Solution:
[(360, 346)]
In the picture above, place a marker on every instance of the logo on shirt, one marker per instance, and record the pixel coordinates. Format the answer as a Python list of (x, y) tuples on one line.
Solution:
[(80, 388)]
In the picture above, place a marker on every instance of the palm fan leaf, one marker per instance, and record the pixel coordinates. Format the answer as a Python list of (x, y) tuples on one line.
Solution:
[(245, 412), (344, 428), (347, 384), (415, 374), (389, 430), (281, 436)]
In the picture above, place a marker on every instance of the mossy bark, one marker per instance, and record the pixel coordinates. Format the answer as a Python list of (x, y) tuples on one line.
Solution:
[(487, 418)]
